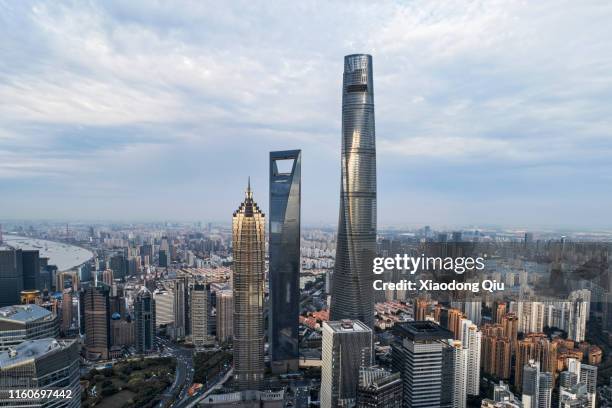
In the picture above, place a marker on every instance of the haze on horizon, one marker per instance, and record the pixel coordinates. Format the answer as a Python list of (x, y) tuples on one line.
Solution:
[(487, 113)]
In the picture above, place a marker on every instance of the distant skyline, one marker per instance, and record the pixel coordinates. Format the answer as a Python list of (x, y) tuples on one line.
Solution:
[(487, 113)]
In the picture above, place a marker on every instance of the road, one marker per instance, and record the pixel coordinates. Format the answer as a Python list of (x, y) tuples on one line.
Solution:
[(193, 401), (184, 371)]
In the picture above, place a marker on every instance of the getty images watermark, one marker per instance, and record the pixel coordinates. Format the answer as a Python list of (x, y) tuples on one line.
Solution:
[(411, 264)]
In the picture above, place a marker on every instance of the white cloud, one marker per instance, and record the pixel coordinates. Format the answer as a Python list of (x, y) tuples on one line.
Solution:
[(470, 82)]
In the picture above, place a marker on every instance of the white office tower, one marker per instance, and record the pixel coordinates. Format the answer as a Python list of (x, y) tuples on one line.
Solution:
[(578, 314), (531, 316), (573, 366), (545, 390), (347, 346), (199, 316), (164, 307), (456, 357), (473, 345), (588, 377), (531, 380)]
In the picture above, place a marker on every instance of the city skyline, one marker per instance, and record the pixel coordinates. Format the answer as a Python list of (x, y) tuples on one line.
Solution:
[(103, 91)]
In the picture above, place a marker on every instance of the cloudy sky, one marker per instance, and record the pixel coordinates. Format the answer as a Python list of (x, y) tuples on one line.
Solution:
[(487, 112)]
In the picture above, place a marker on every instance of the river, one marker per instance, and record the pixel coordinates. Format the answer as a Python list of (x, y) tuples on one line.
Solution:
[(64, 256)]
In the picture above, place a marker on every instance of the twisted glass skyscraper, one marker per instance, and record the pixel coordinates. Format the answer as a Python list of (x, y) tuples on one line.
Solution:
[(352, 292)]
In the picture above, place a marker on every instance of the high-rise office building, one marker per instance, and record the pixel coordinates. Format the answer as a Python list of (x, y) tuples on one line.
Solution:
[(119, 265), (11, 275), (146, 254), (41, 364), (164, 307), (531, 384), (31, 269), (199, 316), (225, 315), (545, 384), (67, 315), (588, 377), (347, 346), (123, 332), (96, 316), (26, 322), (419, 356), (284, 259), (180, 322), (144, 319), (352, 291), (163, 258), (379, 388), (248, 244)]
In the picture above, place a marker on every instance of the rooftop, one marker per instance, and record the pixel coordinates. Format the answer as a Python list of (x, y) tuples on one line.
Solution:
[(343, 326), (31, 350), (23, 313), (244, 396), (422, 330)]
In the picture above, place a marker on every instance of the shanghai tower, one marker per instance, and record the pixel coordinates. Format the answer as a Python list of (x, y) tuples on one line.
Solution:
[(352, 291)]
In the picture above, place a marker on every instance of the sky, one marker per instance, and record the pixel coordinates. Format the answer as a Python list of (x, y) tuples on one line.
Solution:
[(487, 112)]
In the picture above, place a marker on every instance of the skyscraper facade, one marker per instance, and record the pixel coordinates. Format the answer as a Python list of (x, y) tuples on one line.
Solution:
[(180, 322), (248, 243), (144, 313), (379, 388), (422, 358), (41, 364), (26, 322), (97, 321), (225, 315), (66, 311), (545, 390), (347, 346), (588, 377), (284, 260), (454, 374), (11, 276), (472, 341), (531, 384), (199, 316), (31, 269), (356, 243)]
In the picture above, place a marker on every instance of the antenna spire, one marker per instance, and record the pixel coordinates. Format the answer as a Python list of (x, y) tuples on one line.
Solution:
[(249, 193)]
